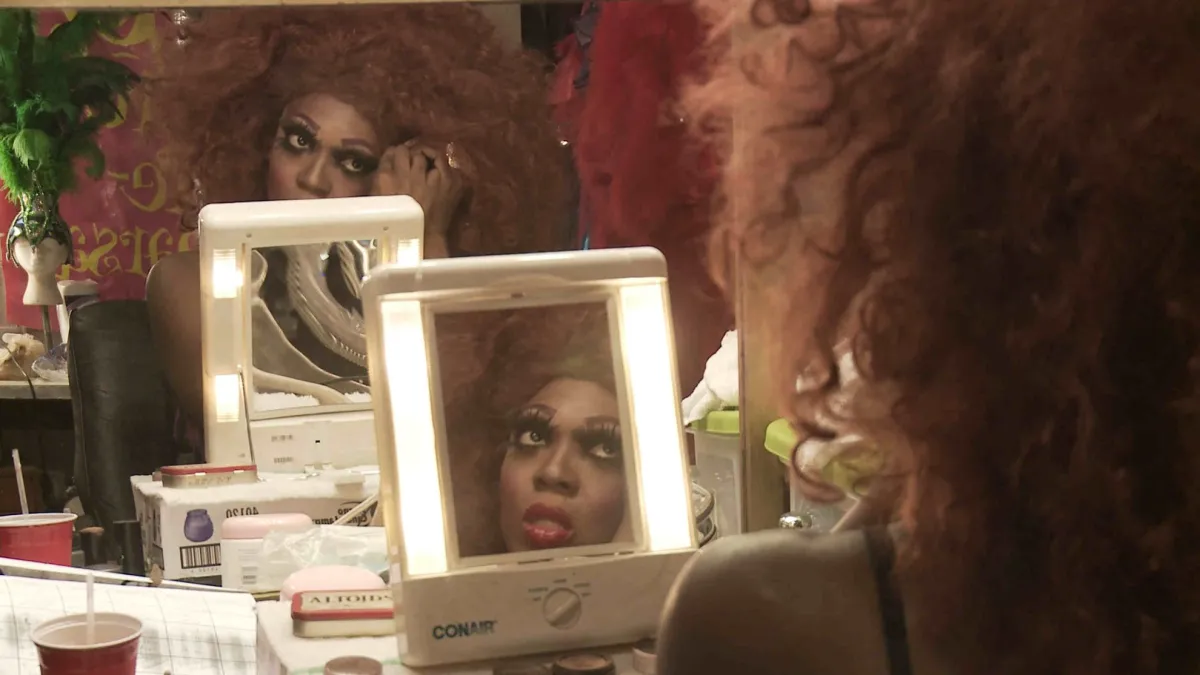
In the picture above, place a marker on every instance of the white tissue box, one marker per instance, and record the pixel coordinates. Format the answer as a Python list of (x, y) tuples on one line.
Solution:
[(181, 528)]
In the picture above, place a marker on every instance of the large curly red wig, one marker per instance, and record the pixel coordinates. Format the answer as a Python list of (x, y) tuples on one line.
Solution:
[(436, 71), (1021, 180)]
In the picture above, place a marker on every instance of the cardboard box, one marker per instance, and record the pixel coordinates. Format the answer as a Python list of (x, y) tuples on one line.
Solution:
[(181, 528)]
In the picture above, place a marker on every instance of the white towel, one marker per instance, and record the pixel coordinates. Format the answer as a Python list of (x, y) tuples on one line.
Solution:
[(718, 390)]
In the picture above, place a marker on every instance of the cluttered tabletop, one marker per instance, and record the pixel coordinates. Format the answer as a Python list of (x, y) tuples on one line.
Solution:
[(37, 389)]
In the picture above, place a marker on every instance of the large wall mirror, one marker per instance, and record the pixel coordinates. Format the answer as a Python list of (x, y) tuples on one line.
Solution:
[(521, 127)]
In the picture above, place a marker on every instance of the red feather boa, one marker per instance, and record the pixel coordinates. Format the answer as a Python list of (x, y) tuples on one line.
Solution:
[(643, 181)]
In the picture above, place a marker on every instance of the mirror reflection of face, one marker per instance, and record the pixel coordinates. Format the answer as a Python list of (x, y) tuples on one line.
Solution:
[(323, 148), (562, 482)]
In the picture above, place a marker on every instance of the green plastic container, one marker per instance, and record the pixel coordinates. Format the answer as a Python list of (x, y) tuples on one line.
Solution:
[(719, 466)]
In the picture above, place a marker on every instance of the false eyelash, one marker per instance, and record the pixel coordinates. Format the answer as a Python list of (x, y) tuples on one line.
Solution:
[(604, 433), (370, 164), (529, 419), (294, 129), (297, 127)]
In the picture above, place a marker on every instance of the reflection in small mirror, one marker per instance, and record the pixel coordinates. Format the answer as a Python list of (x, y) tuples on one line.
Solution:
[(534, 434), (306, 325)]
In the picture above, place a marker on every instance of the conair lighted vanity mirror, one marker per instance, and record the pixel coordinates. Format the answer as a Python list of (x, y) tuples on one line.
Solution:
[(285, 373), (532, 463)]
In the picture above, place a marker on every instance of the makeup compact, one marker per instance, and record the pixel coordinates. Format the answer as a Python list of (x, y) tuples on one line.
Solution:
[(533, 471), (284, 356)]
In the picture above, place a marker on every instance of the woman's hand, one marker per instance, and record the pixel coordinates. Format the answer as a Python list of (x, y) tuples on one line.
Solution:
[(424, 173)]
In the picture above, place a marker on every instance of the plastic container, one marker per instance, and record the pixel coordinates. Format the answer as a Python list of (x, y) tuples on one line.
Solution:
[(63, 647), (241, 541), (704, 508), (781, 440), (719, 466), (38, 537)]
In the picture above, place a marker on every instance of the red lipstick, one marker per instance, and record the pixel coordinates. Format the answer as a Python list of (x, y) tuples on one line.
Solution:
[(547, 527)]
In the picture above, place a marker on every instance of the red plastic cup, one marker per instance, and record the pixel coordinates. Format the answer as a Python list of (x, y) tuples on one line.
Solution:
[(63, 647), (38, 537)]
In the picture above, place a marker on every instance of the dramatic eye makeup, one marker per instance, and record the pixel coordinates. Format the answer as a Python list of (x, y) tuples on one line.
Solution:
[(530, 428), (600, 438), (356, 162), (297, 137)]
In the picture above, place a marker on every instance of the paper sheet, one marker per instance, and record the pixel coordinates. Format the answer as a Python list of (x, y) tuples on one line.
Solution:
[(185, 632)]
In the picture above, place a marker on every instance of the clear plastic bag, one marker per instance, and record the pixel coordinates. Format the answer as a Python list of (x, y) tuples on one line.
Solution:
[(283, 553)]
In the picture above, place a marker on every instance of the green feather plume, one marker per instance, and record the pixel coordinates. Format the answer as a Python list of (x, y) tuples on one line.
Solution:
[(54, 98)]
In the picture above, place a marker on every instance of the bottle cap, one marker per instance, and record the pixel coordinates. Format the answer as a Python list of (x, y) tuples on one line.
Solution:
[(796, 521)]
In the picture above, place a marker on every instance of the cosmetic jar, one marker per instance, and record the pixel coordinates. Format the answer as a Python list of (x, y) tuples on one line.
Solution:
[(353, 665), (241, 542), (645, 657)]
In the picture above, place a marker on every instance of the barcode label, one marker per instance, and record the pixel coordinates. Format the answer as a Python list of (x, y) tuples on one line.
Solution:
[(207, 555)]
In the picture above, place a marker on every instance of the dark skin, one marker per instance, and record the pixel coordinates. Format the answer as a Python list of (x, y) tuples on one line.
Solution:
[(782, 602), (323, 148)]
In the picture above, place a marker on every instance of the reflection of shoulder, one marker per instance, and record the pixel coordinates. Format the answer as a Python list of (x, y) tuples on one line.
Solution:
[(173, 277), (767, 603)]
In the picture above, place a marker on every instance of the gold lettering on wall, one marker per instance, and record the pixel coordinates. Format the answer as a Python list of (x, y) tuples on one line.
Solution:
[(146, 175), (140, 32), (99, 251)]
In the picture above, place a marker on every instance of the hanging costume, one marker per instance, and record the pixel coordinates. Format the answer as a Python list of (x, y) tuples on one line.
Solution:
[(643, 181)]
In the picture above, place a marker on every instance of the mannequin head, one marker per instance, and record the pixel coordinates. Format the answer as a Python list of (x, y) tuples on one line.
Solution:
[(40, 244), (41, 259), (41, 263), (238, 99)]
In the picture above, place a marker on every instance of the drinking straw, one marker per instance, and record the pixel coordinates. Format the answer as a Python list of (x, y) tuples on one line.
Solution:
[(353, 513), (20, 481), (91, 609)]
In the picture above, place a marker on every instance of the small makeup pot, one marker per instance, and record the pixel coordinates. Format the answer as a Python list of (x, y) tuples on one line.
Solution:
[(241, 542), (645, 657), (353, 665), (584, 664)]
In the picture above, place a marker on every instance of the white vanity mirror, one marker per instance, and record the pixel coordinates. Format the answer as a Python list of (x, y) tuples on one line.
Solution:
[(285, 373), (535, 492)]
